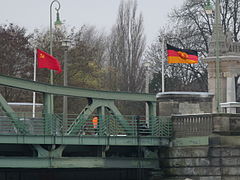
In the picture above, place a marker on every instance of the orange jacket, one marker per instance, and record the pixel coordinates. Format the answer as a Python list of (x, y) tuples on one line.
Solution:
[(95, 121)]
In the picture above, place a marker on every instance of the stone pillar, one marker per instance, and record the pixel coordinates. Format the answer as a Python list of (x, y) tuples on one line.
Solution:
[(231, 91), (229, 68)]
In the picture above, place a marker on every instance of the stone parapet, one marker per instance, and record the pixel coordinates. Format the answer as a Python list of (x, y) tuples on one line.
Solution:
[(184, 103), (206, 125), (225, 124)]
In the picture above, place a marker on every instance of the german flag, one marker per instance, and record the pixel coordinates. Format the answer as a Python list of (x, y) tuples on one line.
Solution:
[(176, 55)]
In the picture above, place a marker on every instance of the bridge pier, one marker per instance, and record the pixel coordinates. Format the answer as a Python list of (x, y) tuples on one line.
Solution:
[(205, 147)]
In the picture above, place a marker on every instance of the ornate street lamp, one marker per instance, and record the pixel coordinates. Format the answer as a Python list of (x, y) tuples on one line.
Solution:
[(66, 43), (58, 24), (147, 65)]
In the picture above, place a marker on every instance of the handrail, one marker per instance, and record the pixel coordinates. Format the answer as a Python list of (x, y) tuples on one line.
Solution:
[(108, 125)]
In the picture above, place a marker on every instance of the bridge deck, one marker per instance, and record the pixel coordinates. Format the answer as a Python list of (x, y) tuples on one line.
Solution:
[(85, 140)]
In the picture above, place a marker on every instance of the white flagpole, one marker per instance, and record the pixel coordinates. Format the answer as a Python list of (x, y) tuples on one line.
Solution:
[(163, 60), (34, 79)]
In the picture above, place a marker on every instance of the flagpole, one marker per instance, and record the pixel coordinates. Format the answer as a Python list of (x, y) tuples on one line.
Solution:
[(163, 60), (34, 79)]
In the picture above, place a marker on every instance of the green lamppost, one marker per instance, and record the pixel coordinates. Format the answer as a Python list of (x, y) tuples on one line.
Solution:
[(216, 27), (147, 65), (66, 43), (57, 24)]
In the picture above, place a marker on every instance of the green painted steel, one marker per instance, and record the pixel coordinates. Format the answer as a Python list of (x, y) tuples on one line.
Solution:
[(71, 91), (19, 126), (89, 109), (85, 140), (98, 100), (152, 108), (49, 134), (77, 162), (111, 125), (43, 153)]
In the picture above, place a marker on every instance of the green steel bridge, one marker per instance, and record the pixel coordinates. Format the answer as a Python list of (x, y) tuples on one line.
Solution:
[(58, 141)]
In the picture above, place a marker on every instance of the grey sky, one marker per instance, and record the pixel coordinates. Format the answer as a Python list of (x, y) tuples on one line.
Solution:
[(101, 13)]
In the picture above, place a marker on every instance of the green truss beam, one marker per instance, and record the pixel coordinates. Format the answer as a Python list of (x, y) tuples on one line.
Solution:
[(13, 116), (89, 109), (85, 140), (77, 162), (83, 116), (71, 91)]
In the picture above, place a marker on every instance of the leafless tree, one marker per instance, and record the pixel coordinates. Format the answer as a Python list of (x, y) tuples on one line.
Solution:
[(126, 47), (192, 28)]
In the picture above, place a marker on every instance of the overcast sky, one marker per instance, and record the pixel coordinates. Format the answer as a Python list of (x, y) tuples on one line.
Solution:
[(102, 13)]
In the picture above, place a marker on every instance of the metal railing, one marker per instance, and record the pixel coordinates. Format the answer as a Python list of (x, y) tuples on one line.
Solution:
[(108, 125), (192, 125)]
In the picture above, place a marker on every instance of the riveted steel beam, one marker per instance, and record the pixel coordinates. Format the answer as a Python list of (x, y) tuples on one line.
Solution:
[(85, 140), (76, 162), (71, 91), (20, 128)]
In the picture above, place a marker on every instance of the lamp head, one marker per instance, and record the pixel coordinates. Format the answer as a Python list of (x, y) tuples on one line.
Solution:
[(66, 43), (58, 23), (209, 8), (147, 64)]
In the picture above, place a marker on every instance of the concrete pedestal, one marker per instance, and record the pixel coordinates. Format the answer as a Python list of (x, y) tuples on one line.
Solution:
[(230, 107), (184, 103)]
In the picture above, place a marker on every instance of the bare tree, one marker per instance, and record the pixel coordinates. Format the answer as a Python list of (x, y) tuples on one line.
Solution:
[(126, 47), (192, 28)]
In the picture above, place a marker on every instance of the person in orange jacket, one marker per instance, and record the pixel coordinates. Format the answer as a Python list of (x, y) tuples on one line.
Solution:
[(95, 123)]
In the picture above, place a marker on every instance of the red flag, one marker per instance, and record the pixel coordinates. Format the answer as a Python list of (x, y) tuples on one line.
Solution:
[(45, 60)]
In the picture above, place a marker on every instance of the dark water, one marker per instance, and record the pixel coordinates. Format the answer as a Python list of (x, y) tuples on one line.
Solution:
[(73, 174)]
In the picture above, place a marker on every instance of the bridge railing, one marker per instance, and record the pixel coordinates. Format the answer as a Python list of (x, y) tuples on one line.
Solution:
[(108, 125), (192, 125)]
